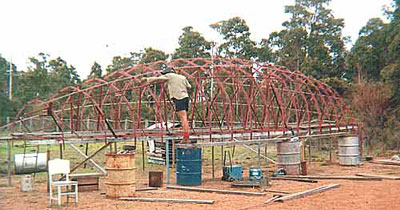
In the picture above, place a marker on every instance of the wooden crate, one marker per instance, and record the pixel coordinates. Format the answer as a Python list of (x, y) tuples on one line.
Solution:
[(86, 182)]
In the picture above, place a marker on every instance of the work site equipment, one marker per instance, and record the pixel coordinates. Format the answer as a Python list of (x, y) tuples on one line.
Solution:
[(232, 172)]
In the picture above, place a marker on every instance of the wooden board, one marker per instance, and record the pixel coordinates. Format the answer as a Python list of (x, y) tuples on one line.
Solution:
[(295, 179), (336, 177), (274, 198), (387, 162), (146, 189), (307, 193), (245, 185), (168, 200), (277, 191), (215, 190), (87, 180), (87, 188), (379, 176)]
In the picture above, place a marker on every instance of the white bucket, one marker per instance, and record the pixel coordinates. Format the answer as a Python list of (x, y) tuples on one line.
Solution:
[(27, 183)]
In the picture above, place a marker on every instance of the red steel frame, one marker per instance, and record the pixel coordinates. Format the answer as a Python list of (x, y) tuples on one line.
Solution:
[(247, 97)]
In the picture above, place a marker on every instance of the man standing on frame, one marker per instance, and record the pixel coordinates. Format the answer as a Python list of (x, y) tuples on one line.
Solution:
[(178, 91)]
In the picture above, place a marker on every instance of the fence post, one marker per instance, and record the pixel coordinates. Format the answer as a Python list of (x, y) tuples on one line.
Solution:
[(9, 163), (126, 124), (7, 122)]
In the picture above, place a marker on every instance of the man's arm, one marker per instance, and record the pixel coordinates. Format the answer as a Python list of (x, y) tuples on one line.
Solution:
[(158, 79), (188, 86)]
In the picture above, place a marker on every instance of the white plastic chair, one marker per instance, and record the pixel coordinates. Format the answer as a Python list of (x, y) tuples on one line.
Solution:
[(60, 166)]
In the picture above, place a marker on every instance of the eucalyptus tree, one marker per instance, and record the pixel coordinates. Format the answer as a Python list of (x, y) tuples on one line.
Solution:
[(121, 62), (236, 36), (311, 40), (62, 74), (151, 55), (96, 71), (192, 45)]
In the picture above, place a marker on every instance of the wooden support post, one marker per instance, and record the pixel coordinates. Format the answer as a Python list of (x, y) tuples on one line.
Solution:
[(259, 154), (47, 163), (86, 152), (9, 162), (173, 153), (143, 159), (61, 151), (303, 149), (167, 159), (213, 161), (309, 152), (330, 150), (126, 124), (222, 156), (266, 149), (362, 147)]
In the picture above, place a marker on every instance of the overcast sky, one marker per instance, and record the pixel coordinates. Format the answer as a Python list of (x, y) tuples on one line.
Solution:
[(84, 31)]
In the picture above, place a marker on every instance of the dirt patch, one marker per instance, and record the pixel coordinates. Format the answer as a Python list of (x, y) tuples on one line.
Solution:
[(374, 195)]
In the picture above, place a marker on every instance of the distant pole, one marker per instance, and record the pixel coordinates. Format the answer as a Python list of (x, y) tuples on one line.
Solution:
[(10, 89)]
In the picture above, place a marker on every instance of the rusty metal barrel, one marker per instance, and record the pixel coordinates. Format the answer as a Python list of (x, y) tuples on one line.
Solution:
[(349, 151), (288, 153), (120, 180)]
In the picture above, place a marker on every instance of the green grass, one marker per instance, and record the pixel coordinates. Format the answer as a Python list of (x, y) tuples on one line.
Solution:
[(242, 156)]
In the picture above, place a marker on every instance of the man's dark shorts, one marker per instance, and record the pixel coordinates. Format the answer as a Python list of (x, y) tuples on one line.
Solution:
[(181, 104)]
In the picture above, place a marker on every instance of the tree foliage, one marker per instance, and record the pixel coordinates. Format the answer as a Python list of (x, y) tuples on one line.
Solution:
[(96, 71), (311, 40), (152, 55), (236, 35), (375, 60), (192, 45), (45, 76), (120, 62)]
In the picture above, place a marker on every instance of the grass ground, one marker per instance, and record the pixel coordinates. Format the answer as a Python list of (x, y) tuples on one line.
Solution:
[(241, 155)]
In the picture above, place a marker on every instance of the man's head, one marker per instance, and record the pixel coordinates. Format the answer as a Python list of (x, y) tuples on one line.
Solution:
[(166, 69)]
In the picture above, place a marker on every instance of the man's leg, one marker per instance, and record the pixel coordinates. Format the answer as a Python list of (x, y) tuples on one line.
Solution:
[(185, 125)]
